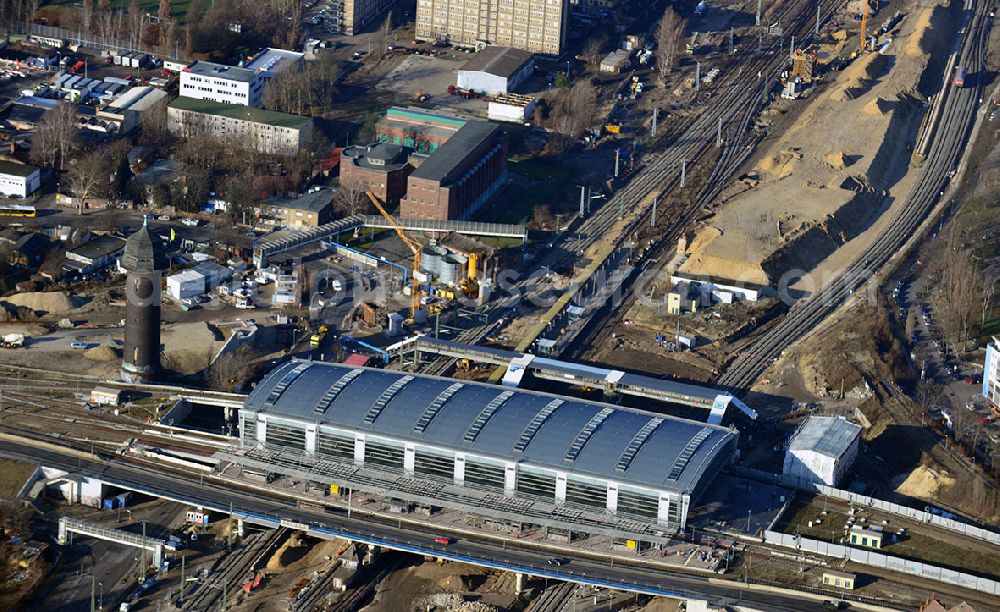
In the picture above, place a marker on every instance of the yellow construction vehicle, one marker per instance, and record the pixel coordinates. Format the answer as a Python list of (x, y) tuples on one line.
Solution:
[(470, 285), (413, 245), (317, 339)]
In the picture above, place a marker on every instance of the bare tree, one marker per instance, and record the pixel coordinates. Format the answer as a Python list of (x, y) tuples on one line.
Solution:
[(352, 199), (383, 35), (88, 176), (54, 136), (593, 51), (134, 24), (669, 38), (233, 370), (31, 7), (165, 9), (961, 293), (153, 130), (573, 110), (241, 198), (306, 92), (87, 15), (104, 5)]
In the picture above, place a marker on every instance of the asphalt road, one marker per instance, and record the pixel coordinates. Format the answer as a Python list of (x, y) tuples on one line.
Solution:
[(535, 562)]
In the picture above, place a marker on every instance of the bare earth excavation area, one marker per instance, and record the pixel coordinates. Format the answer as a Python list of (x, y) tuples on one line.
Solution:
[(829, 177)]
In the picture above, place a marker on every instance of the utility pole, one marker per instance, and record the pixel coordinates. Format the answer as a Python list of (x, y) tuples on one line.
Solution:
[(93, 593), (652, 220), (791, 46), (732, 48), (617, 152), (718, 134), (652, 131), (758, 13), (697, 76), (142, 571), (229, 542), (683, 170), (583, 199), (816, 31), (183, 583)]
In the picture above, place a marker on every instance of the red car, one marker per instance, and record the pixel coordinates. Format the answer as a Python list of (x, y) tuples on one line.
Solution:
[(443, 540)]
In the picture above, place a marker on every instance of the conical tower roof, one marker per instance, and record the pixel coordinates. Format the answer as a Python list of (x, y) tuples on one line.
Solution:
[(144, 252)]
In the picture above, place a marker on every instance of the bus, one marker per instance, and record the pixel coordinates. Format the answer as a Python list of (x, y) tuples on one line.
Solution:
[(17, 210)]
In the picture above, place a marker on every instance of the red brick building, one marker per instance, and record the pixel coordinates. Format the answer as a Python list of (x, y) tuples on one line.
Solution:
[(381, 168), (460, 176), (435, 166)]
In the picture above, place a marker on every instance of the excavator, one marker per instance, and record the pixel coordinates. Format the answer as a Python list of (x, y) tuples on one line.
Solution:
[(414, 247)]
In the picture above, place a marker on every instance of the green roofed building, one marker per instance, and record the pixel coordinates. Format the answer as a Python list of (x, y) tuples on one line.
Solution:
[(266, 131)]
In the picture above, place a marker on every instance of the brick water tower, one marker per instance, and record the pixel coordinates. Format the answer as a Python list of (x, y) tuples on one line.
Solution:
[(144, 259)]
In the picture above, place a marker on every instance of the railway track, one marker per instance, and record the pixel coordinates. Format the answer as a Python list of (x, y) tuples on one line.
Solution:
[(232, 570), (957, 118), (554, 598), (739, 97)]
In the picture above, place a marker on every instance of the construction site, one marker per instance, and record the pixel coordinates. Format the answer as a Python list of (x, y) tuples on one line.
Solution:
[(722, 366)]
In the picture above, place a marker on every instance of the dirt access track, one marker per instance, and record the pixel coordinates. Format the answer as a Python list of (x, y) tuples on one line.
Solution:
[(832, 176)]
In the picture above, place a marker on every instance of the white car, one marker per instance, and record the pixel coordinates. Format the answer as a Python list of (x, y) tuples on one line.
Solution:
[(79, 344), (337, 285)]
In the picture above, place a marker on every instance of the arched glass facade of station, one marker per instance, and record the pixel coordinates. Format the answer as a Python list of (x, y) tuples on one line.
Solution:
[(566, 451)]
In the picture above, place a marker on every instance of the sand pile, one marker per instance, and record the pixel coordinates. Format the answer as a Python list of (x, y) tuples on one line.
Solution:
[(836, 160), (289, 552), (924, 482), (51, 302), (189, 347), (101, 353), (781, 164), (878, 106), (930, 21)]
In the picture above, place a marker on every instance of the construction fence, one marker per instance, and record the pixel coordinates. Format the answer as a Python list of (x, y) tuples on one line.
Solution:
[(922, 516), (876, 559)]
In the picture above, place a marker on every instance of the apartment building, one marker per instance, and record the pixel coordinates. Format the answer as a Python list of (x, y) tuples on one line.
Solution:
[(223, 84), (538, 26), (355, 14), (268, 132)]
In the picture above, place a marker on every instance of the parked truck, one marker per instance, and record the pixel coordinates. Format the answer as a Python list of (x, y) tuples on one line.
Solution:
[(13, 341)]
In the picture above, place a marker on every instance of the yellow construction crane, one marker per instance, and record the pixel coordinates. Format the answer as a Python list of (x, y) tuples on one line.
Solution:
[(413, 245)]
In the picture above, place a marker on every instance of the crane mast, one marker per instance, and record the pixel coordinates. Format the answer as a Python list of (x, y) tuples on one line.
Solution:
[(413, 245)]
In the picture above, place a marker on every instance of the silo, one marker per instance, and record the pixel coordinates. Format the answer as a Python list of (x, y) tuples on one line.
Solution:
[(452, 269), (430, 260)]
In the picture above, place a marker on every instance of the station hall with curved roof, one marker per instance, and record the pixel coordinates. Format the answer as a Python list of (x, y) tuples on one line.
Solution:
[(524, 443)]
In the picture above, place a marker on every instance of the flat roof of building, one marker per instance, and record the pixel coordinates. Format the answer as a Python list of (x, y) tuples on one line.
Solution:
[(503, 62), (273, 61), (100, 247), (449, 155), (559, 433), (830, 436), (238, 111), (137, 99), (221, 71), (311, 201), (16, 169)]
